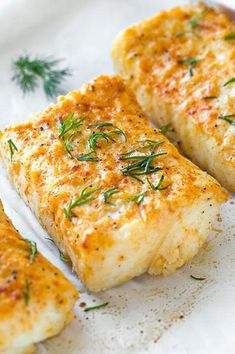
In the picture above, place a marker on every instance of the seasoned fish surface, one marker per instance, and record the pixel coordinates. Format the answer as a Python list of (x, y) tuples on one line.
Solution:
[(114, 193), (180, 64), (35, 298)]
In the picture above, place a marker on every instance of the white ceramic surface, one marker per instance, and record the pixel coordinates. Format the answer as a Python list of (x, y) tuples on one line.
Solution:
[(173, 315)]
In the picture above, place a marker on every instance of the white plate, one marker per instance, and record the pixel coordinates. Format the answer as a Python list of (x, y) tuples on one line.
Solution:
[(173, 315)]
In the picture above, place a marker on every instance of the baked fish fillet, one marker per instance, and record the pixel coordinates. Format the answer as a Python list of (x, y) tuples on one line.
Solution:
[(35, 298), (180, 65), (114, 193)]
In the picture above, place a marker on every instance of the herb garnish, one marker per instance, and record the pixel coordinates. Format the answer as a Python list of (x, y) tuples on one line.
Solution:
[(227, 118), (61, 255), (88, 309), (29, 71), (109, 193), (27, 292), (99, 135), (191, 62), (12, 147), (150, 143), (210, 97), (101, 125), (229, 81), (139, 198), (84, 197), (230, 36), (70, 125), (33, 249), (164, 128), (89, 156), (197, 278), (158, 185)]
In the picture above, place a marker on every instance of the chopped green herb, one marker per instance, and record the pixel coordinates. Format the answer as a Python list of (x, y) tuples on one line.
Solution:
[(27, 292), (210, 97), (139, 198), (61, 255), (164, 128), (101, 125), (191, 62), (229, 81), (99, 135), (84, 197), (70, 125), (194, 21), (228, 118), (33, 249), (229, 36), (89, 156), (109, 193), (143, 166), (28, 72), (88, 309), (150, 143), (158, 185), (180, 34), (12, 148), (197, 278)]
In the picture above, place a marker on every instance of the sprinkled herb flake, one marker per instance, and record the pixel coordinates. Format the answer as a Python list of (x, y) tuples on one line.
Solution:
[(68, 130), (210, 97), (158, 187), (13, 148), (229, 36), (61, 255), (89, 156), (88, 309), (191, 62), (197, 278), (228, 119), (109, 193), (164, 128), (229, 81), (27, 292), (139, 198), (33, 249), (84, 197)]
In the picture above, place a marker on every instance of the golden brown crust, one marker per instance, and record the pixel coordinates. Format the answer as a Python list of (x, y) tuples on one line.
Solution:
[(27, 288), (150, 56), (49, 179)]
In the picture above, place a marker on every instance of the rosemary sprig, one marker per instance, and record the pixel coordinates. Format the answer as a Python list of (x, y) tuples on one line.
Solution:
[(191, 62), (109, 193), (61, 255), (84, 197), (158, 187), (27, 292), (88, 309), (229, 81), (164, 128), (228, 118), (197, 278), (229, 36), (28, 72), (139, 198), (12, 148), (33, 249), (89, 156), (180, 34)]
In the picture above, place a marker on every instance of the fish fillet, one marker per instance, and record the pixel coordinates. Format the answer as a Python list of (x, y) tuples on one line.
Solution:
[(180, 64), (116, 196)]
